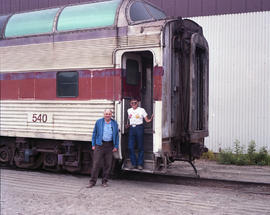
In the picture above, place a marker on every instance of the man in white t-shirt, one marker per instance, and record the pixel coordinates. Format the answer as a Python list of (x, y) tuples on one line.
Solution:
[(136, 130)]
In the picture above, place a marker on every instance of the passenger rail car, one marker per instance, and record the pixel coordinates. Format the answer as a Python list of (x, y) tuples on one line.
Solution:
[(61, 67)]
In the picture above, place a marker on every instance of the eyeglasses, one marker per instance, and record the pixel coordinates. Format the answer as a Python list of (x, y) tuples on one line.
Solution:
[(133, 103)]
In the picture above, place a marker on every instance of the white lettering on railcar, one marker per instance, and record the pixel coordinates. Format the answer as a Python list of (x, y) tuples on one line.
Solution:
[(40, 118)]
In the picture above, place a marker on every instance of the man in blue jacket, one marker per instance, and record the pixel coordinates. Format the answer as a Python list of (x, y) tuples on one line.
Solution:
[(105, 141)]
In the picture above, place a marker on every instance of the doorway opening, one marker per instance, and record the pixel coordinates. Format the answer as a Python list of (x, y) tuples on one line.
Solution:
[(137, 82)]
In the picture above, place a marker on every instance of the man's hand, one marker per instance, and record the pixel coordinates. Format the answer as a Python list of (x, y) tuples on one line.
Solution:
[(93, 148), (147, 119), (114, 149)]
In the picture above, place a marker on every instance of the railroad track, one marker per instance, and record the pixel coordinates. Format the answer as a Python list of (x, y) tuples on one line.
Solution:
[(245, 186)]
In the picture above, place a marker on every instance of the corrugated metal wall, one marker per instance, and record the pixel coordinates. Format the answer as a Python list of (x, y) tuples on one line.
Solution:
[(239, 79), (184, 8), (72, 120), (188, 8)]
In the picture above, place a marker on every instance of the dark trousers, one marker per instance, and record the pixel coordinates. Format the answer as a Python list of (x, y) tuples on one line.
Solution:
[(136, 134), (102, 158)]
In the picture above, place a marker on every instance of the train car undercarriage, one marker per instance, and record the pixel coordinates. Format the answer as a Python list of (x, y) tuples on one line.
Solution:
[(50, 155), (76, 157)]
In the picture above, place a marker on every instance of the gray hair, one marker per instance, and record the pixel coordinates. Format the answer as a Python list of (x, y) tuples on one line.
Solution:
[(107, 110)]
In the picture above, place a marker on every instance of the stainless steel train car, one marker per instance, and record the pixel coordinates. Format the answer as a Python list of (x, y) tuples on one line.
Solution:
[(61, 67)]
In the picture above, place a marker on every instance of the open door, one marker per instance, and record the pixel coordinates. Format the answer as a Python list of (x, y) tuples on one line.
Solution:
[(137, 82)]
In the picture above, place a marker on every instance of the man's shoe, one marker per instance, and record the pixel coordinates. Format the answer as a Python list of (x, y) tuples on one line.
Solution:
[(140, 167), (90, 185), (132, 167), (105, 184)]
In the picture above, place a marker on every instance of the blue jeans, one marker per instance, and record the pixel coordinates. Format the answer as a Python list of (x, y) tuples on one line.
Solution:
[(136, 134)]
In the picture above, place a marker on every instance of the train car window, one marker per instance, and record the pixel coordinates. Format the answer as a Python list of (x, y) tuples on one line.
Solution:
[(132, 72), (86, 16), (31, 23), (156, 13), (3, 20), (138, 12), (67, 84)]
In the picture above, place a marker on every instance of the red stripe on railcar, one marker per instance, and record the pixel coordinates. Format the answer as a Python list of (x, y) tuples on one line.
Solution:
[(93, 84)]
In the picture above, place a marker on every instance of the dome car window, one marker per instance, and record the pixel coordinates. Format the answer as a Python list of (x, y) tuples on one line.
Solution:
[(138, 12), (157, 14), (87, 16), (3, 20), (31, 23), (141, 11)]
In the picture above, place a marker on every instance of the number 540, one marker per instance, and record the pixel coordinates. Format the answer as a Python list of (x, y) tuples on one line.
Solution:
[(39, 117)]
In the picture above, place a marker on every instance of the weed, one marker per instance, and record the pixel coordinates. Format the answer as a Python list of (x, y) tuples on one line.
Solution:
[(226, 157), (209, 155), (262, 157), (252, 152), (238, 149), (238, 157)]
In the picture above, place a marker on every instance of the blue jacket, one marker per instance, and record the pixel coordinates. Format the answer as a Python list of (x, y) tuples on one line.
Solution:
[(98, 133)]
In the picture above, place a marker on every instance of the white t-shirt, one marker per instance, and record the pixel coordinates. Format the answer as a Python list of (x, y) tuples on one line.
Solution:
[(136, 116)]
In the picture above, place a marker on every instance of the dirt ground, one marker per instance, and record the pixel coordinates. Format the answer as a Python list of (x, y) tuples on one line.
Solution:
[(38, 193), (213, 170)]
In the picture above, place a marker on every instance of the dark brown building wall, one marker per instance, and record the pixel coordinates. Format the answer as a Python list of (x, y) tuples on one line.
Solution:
[(184, 8)]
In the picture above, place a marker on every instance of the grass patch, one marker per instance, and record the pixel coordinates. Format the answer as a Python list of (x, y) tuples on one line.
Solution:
[(237, 156)]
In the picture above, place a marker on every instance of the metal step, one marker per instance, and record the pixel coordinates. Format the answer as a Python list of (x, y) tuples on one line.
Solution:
[(148, 166)]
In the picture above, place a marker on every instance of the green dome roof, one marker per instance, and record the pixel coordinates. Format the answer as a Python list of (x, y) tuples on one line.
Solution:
[(74, 17), (35, 22), (94, 15)]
